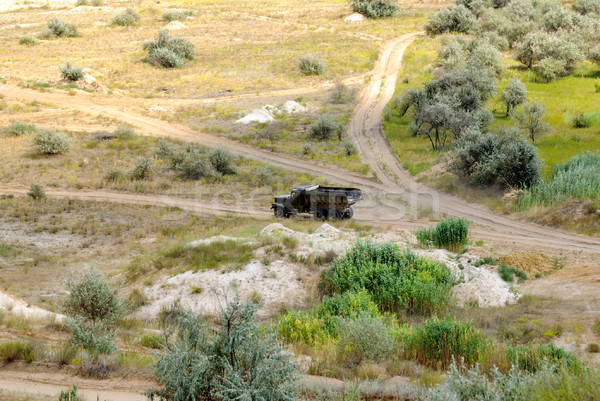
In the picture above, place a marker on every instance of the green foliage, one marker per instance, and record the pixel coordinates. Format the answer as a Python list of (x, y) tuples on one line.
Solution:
[(532, 357), (70, 72), (237, 360), (7, 250), (142, 170), (124, 131), (222, 161), (36, 192), (457, 19), (350, 148), (176, 15), (578, 178), (57, 28), (436, 343), (585, 7), (50, 142), (70, 395), (341, 94), (208, 256), (490, 159), (451, 233), (324, 128), (191, 164), (95, 336), (375, 8), (396, 280), (531, 119), (169, 51), (365, 338), (19, 128), (115, 175), (16, 350), (27, 40), (583, 120), (129, 17), (311, 65), (514, 94), (508, 273)]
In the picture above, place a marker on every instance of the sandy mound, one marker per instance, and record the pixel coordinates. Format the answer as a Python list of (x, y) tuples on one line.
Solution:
[(483, 288), (175, 26), (292, 107), (327, 229), (216, 238), (530, 262), (276, 227), (17, 306), (356, 17), (256, 116)]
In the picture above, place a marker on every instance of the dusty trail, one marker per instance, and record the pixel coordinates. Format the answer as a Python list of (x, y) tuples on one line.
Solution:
[(394, 199)]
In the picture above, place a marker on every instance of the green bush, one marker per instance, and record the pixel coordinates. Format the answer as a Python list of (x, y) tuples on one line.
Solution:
[(50, 142), (17, 351), (237, 360), (191, 164), (18, 128), (124, 131), (222, 161), (95, 336), (457, 19), (576, 179), (128, 17), (169, 51), (176, 15), (70, 72), (436, 343), (36, 192), (311, 65), (532, 357), (57, 28), (508, 274), (396, 280), (71, 394), (583, 120), (451, 233), (365, 338), (375, 8), (115, 175), (142, 169), (350, 148), (324, 128), (341, 94), (27, 40)]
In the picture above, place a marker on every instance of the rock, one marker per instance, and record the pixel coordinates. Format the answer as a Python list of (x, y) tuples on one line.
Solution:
[(356, 17), (89, 82), (256, 116), (175, 26), (274, 227), (292, 107), (327, 229)]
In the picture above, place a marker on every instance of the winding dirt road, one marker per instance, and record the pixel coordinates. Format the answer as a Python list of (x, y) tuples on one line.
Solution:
[(394, 198)]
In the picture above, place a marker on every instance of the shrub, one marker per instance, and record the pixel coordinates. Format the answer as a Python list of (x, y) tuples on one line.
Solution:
[(508, 274), (584, 7), (324, 128), (57, 28), (436, 343), (531, 119), (513, 94), (27, 40), (365, 338), (533, 357), (71, 394), (176, 15), (578, 178), (341, 94), (311, 65), (237, 360), (18, 128), (124, 131), (191, 164), (264, 174), (222, 161), (50, 142), (115, 175), (491, 159), (128, 17), (350, 148), (395, 280), (91, 335), (164, 148), (451, 19), (450, 233), (551, 68), (142, 169), (36, 192), (70, 72), (375, 8), (168, 51), (582, 120)]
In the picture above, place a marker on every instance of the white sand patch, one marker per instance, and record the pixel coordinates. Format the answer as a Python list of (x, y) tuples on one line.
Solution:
[(17, 306), (256, 116), (175, 26), (356, 17)]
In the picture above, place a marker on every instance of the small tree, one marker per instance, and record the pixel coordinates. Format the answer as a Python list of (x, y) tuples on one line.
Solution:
[(222, 161), (531, 119), (324, 128), (142, 169), (513, 94), (70, 72), (128, 17), (457, 19), (375, 8), (235, 361), (36, 192), (50, 142)]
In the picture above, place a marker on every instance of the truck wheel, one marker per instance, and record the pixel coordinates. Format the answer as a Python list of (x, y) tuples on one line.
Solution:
[(279, 212), (348, 213), (319, 214), (334, 214)]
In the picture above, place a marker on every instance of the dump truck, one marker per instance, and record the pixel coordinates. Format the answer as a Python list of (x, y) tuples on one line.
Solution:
[(331, 203)]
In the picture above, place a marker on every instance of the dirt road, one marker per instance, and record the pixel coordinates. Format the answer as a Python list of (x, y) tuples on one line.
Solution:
[(394, 198)]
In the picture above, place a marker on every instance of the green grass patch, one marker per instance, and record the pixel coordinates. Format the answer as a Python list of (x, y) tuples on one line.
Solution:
[(7, 250), (228, 254), (451, 234), (508, 274)]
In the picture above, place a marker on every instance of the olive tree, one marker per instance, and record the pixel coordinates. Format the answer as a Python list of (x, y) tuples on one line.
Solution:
[(451, 19), (585, 7), (513, 94), (531, 119)]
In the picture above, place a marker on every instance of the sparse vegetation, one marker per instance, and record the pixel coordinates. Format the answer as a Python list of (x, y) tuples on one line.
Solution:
[(124, 131), (48, 141), (509, 274), (71, 73), (177, 15), (451, 233), (36, 192), (70, 394), (311, 65), (169, 51), (142, 170), (324, 128), (57, 28), (129, 17), (19, 128), (27, 40)]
